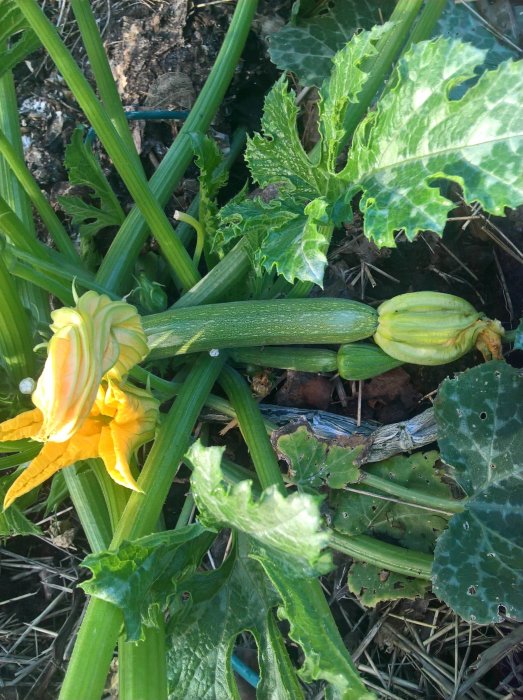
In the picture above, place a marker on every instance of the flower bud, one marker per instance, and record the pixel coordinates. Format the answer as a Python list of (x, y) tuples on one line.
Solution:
[(431, 328)]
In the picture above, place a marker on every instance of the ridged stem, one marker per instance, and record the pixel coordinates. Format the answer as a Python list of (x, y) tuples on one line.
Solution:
[(102, 74), (253, 429), (384, 555), (132, 176), (16, 339), (85, 681), (126, 246)]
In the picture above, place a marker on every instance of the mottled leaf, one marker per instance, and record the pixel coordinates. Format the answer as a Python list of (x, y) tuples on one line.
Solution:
[(314, 629), (417, 136), (289, 528), (313, 462), (277, 156), (16, 38), (407, 525), (373, 585), (211, 179), (308, 46), (461, 21), (341, 88), (207, 617), (478, 562), (141, 576)]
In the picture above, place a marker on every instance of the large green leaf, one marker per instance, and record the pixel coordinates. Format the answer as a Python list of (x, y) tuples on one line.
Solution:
[(418, 135), (308, 46), (17, 40), (405, 524), (314, 629), (313, 461), (211, 179), (141, 576), (206, 620), (478, 563), (289, 529)]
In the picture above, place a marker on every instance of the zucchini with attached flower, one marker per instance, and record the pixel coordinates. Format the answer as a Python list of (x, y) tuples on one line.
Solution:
[(427, 328)]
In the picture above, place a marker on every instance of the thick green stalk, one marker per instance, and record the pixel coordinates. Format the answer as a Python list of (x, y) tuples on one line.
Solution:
[(12, 192), (89, 504), (426, 23), (388, 49), (102, 621), (132, 176), (410, 495), (102, 74), (17, 232), (118, 262), (384, 555), (33, 191), (268, 471), (16, 339), (253, 429)]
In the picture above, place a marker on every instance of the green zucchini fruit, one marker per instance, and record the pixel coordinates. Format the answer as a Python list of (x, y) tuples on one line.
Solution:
[(251, 323), (363, 361)]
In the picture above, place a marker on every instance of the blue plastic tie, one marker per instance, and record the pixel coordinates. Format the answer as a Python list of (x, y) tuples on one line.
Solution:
[(148, 115), (245, 672)]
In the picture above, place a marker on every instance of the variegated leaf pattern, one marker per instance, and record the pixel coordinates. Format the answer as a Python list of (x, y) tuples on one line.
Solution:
[(419, 135)]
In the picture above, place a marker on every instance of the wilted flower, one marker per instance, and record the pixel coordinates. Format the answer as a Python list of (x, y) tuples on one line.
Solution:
[(121, 419), (99, 338)]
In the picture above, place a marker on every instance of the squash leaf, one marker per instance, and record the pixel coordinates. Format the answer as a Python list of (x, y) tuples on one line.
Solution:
[(373, 585), (419, 135), (307, 46), (288, 528), (141, 576), (313, 462), (478, 561), (216, 607)]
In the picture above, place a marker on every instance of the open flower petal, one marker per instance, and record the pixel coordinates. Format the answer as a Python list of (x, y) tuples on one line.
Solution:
[(26, 425), (99, 337), (121, 419)]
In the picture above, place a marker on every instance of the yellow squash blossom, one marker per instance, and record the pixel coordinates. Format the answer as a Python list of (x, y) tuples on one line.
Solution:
[(98, 338), (121, 419)]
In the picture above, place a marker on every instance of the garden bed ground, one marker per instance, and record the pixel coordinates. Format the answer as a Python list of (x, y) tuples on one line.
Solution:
[(161, 53)]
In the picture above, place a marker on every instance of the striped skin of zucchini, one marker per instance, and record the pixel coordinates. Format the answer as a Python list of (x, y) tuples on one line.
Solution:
[(299, 359), (363, 361), (252, 323), (431, 328)]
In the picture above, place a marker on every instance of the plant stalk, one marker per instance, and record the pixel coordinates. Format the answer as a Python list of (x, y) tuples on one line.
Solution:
[(409, 495), (133, 177), (384, 555), (103, 620), (117, 264)]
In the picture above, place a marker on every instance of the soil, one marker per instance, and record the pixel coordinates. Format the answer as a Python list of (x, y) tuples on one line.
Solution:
[(161, 53)]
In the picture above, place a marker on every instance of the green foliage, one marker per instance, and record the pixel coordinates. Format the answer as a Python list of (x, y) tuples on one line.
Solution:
[(288, 529), (313, 462), (418, 135), (215, 608), (518, 343), (404, 524), (84, 169), (212, 178), (17, 41), (373, 585), (308, 45), (478, 563), (13, 521), (326, 658), (141, 576)]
